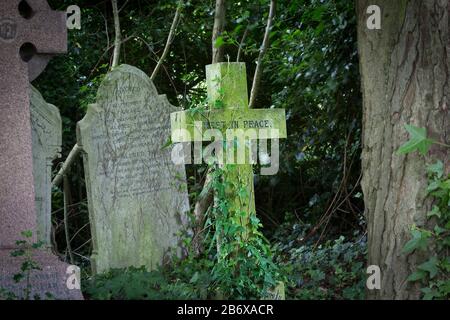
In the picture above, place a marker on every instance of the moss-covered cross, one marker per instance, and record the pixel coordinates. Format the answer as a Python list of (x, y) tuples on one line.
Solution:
[(228, 109)]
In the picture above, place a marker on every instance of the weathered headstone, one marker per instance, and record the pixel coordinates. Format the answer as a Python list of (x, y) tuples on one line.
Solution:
[(137, 197), (30, 33), (46, 133)]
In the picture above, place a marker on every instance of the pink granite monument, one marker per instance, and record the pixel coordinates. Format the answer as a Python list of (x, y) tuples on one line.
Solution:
[(30, 33)]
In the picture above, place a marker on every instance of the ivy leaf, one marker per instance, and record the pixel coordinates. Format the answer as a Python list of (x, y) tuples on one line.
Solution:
[(436, 169), (445, 264), (419, 241), (27, 233), (433, 186), (447, 226), (438, 230), (418, 141), (444, 286), (429, 293), (17, 253), (167, 144), (218, 104), (18, 277), (242, 193), (194, 278), (434, 212), (430, 266), (254, 220), (219, 42), (37, 245), (446, 184), (416, 276), (21, 242)]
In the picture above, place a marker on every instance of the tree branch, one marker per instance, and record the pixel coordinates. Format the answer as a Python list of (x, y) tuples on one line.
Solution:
[(118, 39), (66, 165), (123, 6), (262, 52), (170, 38), (219, 25), (244, 36)]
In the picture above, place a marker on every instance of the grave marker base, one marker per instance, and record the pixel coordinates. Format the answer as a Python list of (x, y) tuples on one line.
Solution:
[(52, 278)]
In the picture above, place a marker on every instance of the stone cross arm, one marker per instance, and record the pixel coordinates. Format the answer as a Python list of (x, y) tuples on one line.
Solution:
[(190, 126), (227, 88), (30, 32)]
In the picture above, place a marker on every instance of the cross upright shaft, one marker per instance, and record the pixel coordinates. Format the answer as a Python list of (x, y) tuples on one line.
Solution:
[(30, 32), (227, 82)]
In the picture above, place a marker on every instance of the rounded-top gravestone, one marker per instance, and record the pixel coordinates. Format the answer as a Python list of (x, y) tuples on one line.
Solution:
[(137, 196)]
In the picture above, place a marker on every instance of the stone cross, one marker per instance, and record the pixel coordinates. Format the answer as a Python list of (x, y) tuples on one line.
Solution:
[(228, 109), (30, 33)]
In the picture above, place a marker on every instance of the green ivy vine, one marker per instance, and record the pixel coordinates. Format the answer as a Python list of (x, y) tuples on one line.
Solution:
[(24, 250), (244, 265), (434, 274)]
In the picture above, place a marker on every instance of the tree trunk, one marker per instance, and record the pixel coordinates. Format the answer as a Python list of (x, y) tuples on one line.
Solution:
[(405, 80), (219, 26), (118, 35), (206, 198)]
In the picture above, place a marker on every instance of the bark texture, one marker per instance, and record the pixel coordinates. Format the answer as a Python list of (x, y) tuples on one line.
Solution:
[(405, 80)]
